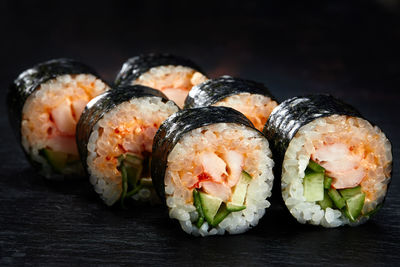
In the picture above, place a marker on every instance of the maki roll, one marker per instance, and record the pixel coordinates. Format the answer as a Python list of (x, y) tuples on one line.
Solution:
[(214, 170), (250, 98), (45, 103), (115, 138), (172, 75), (336, 166)]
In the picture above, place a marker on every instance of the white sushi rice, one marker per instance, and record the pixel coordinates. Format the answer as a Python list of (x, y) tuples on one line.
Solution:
[(301, 148), (255, 107), (107, 180), (36, 122), (257, 161)]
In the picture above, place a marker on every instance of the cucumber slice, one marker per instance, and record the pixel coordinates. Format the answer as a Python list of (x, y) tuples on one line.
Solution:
[(56, 159), (210, 206), (314, 187), (326, 202), (315, 167), (221, 215), (197, 204), (354, 206), (240, 190), (133, 160), (336, 198), (131, 168), (350, 192), (233, 207), (327, 182), (200, 222)]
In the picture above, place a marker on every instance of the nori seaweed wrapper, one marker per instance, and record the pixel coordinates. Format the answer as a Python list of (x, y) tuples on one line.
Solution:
[(215, 90), (29, 81), (103, 103), (136, 66), (180, 123)]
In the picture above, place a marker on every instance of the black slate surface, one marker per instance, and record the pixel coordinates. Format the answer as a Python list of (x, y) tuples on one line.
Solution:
[(347, 49)]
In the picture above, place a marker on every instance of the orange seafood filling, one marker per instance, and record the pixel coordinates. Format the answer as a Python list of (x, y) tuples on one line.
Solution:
[(133, 136), (352, 161), (51, 113), (212, 166), (174, 81)]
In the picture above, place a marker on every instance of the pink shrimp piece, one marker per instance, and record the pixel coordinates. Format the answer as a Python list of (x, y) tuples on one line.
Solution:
[(177, 95), (218, 190), (234, 161), (213, 165), (340, 164), (63, 118)]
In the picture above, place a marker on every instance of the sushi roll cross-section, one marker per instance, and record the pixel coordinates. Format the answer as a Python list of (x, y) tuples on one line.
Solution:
[(115, 138), (172, 75), (45, 103), (214, 170), (336, 166), (250, 98)]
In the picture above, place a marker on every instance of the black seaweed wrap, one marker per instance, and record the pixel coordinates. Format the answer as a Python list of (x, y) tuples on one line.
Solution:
[(287, 118), (212, 91), (100, 105), (180, 123), (136, 66), (29, 80)]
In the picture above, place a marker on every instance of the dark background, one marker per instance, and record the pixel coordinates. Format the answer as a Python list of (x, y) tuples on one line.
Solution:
[(345, 48)]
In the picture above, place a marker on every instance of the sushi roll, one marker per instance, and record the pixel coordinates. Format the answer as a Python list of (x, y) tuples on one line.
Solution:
[(115, 138), (250, 98), (335, 165), (44, 104), (213, 169), (172, 75)]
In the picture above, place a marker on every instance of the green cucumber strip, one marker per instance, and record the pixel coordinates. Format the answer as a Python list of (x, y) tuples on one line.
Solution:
[(56, 159), (240, 189), (124, 177), (315, 167), (221, 215), (210, 206), (350, 192), (133, 173), (336, 198), (246, 177), (133, 191), (233, 207), (200, 222), (314, 187), (327, 182), (134, 160), (354, 206), (131, 167), (197, 204), (326, 202)]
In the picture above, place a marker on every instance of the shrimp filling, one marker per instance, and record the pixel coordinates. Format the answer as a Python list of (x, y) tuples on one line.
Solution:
[(49, 120), (256, 108), (336, 171), (211, 179), (174, 81), (120, 149)]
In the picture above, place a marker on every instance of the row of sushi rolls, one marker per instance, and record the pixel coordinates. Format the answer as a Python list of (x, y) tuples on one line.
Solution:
[(206, 148)]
